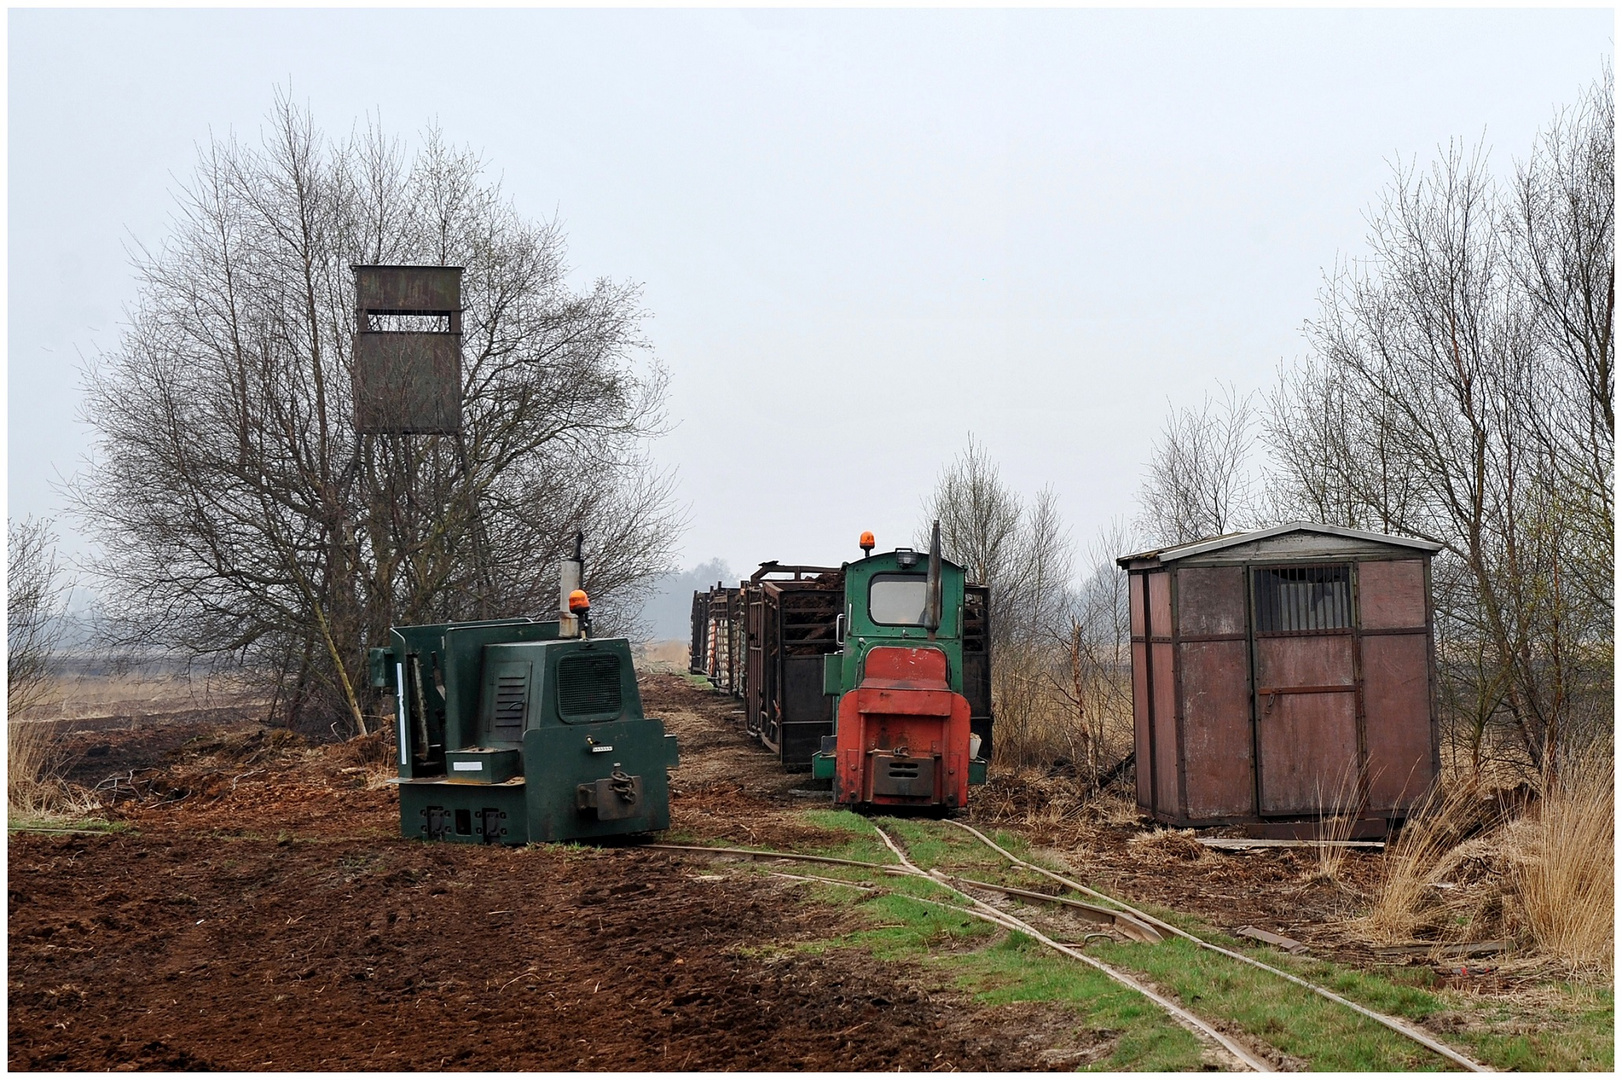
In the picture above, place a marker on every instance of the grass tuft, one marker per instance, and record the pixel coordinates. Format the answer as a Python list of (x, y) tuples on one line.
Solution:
[(1336, 826), (1565, 866), (1407, 900), (1171, 844), (35, 790), (1473, 865)]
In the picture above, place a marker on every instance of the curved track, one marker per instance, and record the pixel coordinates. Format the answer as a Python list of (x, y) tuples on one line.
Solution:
[(1132, 924), (1391, 1022), (1200, 1028)]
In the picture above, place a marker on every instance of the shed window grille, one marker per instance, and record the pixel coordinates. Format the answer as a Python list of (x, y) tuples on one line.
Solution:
[(1303, 598)]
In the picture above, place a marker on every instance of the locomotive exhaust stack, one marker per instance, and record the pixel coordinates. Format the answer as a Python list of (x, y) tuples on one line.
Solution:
[(932, 584), (570, 583)]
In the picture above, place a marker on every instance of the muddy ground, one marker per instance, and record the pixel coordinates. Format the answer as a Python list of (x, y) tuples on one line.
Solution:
[(261, 913)]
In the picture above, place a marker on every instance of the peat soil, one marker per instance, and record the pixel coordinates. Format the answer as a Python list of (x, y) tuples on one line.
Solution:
[(260, 912)]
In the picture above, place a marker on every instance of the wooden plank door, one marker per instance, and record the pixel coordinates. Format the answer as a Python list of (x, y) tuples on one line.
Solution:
[(1306, 689)]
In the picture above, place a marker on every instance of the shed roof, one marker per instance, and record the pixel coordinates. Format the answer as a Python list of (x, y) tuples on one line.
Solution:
[(1231, 540)]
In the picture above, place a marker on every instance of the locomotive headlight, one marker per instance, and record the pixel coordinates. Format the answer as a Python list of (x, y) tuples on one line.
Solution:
[(906, 558)]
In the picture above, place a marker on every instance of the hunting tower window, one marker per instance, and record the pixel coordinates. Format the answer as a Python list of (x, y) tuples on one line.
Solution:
[(407, 322), (1303, 598)]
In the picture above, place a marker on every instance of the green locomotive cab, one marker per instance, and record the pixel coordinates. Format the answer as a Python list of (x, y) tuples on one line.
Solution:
[(902, 733), (519, 731)]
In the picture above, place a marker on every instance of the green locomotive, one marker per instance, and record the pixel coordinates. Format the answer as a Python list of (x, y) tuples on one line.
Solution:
[(515, 731), (902, 734)]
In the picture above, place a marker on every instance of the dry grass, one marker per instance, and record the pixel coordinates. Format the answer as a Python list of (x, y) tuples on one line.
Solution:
[(1335, 826), (34, 787), (1172, 844), (1037, 799), (1428, 846), (1113, 807), (28, 761), (1476, 865), (1045, 719), (93, 696), (34, 763), (664, 656), (1565, 866), (34, 734)]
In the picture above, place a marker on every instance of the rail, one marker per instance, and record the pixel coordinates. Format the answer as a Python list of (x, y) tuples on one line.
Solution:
[(1380, 1018), (1128, 920), (986, 912)]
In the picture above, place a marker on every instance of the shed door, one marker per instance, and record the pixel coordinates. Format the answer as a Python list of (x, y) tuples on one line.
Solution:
[(1306, 688)]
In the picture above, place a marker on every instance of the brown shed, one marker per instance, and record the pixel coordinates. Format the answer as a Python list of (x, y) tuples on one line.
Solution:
[(1273, 670)]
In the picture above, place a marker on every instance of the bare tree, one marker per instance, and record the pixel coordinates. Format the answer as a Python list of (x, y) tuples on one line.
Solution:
[(242, 519), (1094, 676), (35, 594), (37, 591), (1022, 552), (1335, 452), (1459, 390), (1200, 482), (1563, 259)]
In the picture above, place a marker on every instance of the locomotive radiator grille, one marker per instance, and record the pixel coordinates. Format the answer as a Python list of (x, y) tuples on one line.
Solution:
[(909, 777), (589, 685)]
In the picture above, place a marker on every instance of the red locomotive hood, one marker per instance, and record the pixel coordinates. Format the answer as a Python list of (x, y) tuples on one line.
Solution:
[(891, 667)]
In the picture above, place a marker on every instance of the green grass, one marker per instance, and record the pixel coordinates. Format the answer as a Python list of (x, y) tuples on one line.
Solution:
[(18, 823), (1297, 1022), (1576, 1032), (1017, 969), (1571, 1031), (998, 968)]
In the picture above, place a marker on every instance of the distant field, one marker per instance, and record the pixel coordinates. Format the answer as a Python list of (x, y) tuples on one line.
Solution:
[(89, 690), (662, 656), (91, 693)]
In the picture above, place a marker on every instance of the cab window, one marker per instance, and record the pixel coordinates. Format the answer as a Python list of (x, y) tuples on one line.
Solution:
[(897, 599)]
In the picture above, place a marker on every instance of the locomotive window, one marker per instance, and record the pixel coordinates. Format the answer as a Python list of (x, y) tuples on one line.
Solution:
[(1303, 598), (897, 599)]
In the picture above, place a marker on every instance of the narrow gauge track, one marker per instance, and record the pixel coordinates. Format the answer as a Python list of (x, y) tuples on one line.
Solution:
[(1389, 1021), (982, 910), (1130, 922)]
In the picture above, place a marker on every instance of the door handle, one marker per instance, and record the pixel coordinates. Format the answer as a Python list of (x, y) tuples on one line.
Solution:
[(1271, 693)]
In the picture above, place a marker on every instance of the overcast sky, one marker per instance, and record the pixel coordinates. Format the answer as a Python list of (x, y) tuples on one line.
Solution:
[(863, 235)]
